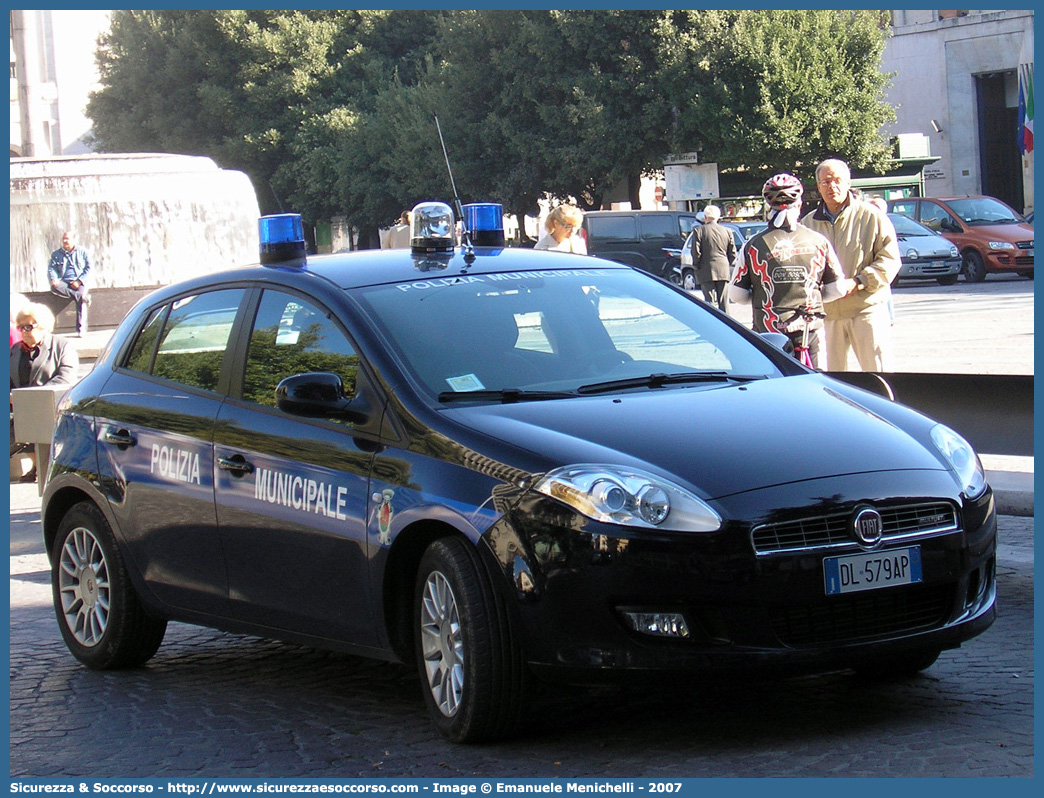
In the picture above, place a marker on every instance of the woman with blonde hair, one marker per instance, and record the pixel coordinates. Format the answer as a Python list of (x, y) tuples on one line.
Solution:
[(563, 225)]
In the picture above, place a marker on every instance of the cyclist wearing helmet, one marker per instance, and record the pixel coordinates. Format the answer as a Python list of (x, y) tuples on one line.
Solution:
[(788, 271)]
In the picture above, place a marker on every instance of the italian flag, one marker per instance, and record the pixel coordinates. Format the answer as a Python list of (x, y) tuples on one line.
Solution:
[(1026, 108)]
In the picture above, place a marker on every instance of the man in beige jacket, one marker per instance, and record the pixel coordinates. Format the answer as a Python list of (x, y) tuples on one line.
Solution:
[(868, 249)]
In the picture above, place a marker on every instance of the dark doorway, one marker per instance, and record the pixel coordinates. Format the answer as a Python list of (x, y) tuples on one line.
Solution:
[(999, 160)]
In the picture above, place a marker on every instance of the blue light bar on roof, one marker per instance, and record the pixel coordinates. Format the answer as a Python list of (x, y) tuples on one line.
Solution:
[(282, 239), (485, 221)]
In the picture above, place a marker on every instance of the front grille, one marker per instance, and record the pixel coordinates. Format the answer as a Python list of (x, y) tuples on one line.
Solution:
[(901, 523), (1022, 260), (864, 616)]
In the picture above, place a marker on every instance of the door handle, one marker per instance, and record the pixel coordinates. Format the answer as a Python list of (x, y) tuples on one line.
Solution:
[(236, 465), (120, 438)]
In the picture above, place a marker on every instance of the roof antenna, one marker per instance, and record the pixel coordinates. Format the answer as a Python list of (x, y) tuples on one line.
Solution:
[(469, 253)]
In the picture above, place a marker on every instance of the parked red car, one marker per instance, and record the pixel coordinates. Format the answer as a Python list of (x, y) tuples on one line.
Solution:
[(992, 238)]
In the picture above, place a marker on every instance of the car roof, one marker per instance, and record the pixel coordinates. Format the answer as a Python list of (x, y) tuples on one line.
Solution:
[(947, 199), (634, 213), (385, 266)]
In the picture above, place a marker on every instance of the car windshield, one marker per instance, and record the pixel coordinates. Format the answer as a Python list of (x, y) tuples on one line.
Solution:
[(983, 210), (905, 226), (553, 334)]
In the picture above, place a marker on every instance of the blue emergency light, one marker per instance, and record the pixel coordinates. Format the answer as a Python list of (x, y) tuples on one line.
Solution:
[(282, 239), (485, 221)]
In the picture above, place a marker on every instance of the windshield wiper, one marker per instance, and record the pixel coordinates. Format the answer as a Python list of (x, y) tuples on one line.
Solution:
[(659, 380), (506, 395)]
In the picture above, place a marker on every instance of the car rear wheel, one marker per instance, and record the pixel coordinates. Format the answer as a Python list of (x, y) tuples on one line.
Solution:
[(688, 280), (472, 668), (974, 269), (949, 279), (100, 616), (897, 666)]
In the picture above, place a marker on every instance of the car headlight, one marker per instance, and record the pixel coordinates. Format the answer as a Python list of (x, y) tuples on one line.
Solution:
[(629, 497), (961, 457), (911, 254), (954, 253), (1001, 245)]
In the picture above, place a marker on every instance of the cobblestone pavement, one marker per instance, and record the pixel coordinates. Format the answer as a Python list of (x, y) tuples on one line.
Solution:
[(214, 705)]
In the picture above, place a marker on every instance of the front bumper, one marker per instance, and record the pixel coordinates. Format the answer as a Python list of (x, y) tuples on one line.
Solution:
[(572, 578), (1009, 260), (930, 267)]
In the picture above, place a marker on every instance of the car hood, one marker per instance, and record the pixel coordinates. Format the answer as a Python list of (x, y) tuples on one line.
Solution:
[(925, 245), (1002, 232), (720, 439)]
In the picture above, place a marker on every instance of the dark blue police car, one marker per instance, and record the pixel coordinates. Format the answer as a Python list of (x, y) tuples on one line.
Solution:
[(500, 464)]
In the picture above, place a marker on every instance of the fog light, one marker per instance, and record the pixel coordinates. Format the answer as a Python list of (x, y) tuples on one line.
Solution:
[(658, 624)]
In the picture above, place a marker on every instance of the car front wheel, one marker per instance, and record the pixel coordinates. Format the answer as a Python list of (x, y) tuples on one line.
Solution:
[(689, 280), (100, 616), (974, 268), (472, 668)]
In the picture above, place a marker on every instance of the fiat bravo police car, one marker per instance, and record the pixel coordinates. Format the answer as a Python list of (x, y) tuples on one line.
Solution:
[(500, 465)]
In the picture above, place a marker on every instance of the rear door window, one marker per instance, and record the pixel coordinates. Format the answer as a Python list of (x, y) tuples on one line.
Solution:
[(186, 340), (612, 228), (659, 227)]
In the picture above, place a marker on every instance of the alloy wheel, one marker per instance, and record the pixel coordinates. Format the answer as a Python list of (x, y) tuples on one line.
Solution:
[(84, 586), (442, 644)]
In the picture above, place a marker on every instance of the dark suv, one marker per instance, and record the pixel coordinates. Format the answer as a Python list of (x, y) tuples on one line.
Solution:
[(637, 238), (991, 237)]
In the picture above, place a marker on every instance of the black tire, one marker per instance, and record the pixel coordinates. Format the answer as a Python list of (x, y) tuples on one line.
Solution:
[(974, 269), (689, 280), (897, 666), (949, 279), (471, 667), (100, 616)]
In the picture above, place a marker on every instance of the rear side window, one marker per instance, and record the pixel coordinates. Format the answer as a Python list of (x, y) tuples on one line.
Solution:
[(185, 341), (659, 227), (905, 208), (612, 228)]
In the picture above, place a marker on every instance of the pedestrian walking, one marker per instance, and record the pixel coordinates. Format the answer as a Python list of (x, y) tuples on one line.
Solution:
[(68, 273), (713, 252), (865, 242), (789, 273)]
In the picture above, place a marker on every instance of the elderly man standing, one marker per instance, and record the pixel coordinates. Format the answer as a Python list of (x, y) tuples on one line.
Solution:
[(713, 251), (67, 273), (868, 249)]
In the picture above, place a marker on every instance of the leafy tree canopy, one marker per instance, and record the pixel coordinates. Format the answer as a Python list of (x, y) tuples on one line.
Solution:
[(332, 112)]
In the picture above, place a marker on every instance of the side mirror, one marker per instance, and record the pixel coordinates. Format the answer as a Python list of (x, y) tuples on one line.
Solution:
[(780, 341), (316, 395)]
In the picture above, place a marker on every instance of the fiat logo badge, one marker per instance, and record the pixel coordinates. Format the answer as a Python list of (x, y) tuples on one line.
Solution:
[(868, 527)]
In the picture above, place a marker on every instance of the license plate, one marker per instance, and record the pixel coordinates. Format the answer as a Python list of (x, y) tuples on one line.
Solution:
[(1029, 252), (937, 264), (871, 571)]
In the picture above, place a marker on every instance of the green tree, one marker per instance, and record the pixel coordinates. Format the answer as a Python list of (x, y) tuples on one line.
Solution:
[(332, 112), (770, 91)]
